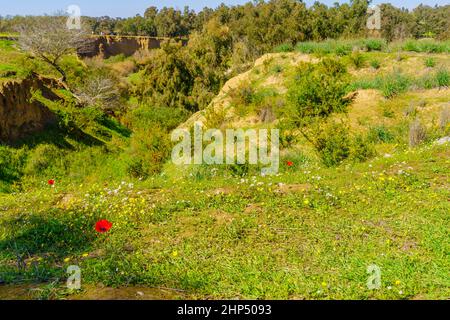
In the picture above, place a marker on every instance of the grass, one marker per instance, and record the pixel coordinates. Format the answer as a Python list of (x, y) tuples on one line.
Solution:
[(397, 82), (340, 47), (345, 47), (250, 238), (426, 45)]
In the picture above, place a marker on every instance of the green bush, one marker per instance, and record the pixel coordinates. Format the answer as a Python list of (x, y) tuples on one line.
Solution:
[(12, 162), (149, 148), (42, 158), (375, 64), (374, 44), (145, 116), (357, 60), (380, 134), (443, 78), (394, 84), (318, 91), (361, 149), (333, 144), (428, 81), (243, 95), (430, 62)]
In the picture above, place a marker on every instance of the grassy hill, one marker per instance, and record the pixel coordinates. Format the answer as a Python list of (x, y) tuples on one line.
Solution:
[(309, 232)]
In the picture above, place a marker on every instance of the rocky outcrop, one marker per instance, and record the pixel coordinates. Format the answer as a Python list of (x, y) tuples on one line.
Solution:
[(20, 115), (108, 46)]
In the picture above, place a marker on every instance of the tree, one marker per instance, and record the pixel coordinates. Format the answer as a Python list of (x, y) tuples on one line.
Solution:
[(49, 39), (167, 79), (319, 91), (101, 90), (395, 23)]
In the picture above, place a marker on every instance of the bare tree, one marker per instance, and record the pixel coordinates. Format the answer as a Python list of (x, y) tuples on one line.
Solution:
[(101, 90), (49, 39)]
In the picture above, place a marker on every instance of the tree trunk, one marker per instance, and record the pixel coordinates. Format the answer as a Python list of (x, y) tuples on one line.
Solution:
[(62, 72)]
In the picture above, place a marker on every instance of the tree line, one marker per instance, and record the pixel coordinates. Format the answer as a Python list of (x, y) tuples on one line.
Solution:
[(268, 23)]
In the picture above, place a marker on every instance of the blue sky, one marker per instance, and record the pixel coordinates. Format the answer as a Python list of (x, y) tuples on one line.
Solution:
[(126, 8)]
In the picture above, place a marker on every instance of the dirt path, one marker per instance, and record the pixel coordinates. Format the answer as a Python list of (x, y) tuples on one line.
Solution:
[(35, 291)]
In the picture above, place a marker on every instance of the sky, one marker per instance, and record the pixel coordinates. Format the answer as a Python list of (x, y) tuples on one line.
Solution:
[(128, 8)]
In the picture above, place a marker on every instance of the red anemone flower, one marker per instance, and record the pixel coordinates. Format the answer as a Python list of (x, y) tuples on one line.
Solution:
[(51, 182), (103, 226), (290, 163)]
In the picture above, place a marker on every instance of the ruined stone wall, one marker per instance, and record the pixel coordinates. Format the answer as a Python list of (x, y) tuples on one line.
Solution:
[(19, 116), (114, 45)]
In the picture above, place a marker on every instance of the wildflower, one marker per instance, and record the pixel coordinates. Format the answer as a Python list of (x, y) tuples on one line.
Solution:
[(84, 255), (290, 163), (51, 182), (66, 259), (175, 254), (397, 282), (103, 226)]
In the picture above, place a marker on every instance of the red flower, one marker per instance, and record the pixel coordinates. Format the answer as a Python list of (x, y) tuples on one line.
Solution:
[(103, 226), (290, 163), (51, 182)]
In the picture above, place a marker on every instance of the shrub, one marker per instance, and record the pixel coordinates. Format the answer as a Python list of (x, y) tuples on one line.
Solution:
[(374, 44), (443, 78), (428, 81), (361, 149), (380, 134), (124, 68), (430, 62), (317, 91), (149, 148), (242, 95), (333, 144), (145, 116), (357, 60), (11, 163), (41, 158), (100, 89), (395, 84), (417, 133), (375, 64)]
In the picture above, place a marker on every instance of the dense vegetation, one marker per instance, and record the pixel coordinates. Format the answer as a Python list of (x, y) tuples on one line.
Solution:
[(264, 24)]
